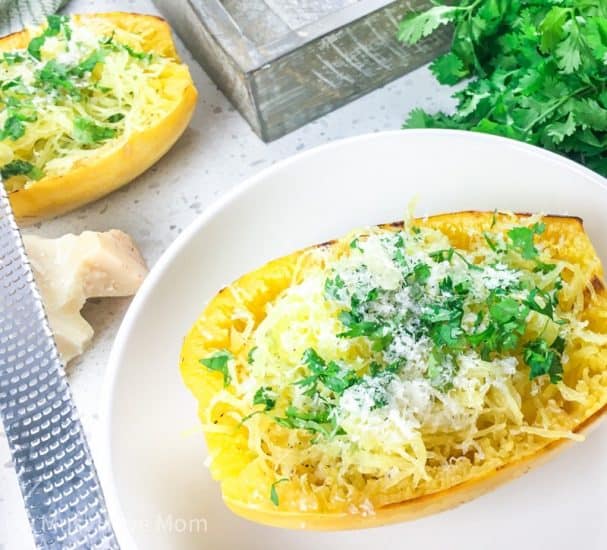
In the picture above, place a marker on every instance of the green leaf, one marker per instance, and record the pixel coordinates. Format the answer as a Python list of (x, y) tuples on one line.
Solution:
[(318, 421), (274, 493), (332, 375), (522, 240), (12, 58), (552, 28), (218, 362), (116, 117), (419, 25), (559, 130), (13, 128), (251, 355), (442, 255), (143, 56), (266, 397), (417, 119), (543, 360), (20, 168), (421, 273), (35, 45), (89, 133), (568, 53), (596, 37), (55, 23), (354, 245), (588, 112), (88, 64), (448, 69), (530, 62), (506, 310), (55, 76), (333, 288)]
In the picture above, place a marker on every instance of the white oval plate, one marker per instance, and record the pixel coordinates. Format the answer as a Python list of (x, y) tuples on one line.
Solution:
[(157, 487)]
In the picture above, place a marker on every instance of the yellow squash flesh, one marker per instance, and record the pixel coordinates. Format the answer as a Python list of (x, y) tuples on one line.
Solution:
[(235, 464), (90, 179)]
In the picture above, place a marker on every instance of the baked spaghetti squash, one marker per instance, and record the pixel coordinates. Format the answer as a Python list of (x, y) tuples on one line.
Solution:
[(88, 103), (401, 370)]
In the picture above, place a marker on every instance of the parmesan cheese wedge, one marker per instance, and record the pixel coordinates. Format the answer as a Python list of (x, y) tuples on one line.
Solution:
[(73, 268)]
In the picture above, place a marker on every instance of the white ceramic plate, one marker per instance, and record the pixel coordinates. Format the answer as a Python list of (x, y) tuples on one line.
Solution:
[(157, 487)]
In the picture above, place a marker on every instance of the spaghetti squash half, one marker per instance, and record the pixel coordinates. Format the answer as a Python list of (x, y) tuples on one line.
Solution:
[(88, 103), (401, 370)]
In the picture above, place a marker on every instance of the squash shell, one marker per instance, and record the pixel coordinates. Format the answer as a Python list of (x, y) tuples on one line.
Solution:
[(90, 180), (212, 331)]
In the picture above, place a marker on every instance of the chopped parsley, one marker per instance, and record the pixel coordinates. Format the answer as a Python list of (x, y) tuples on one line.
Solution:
[(479, 307), (334, 376), (116, 117), (333, 286), (12, 58), (55, 77), (544, 359), (522, 240), (144, 56), (266, 397), (218, 362), (88, 133), (55, 24), (88, 64), (19, 168), (274, 492), (321, 421)]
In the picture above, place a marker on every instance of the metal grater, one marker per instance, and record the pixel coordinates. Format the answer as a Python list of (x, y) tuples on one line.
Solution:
[(52, 460), (283, 63)]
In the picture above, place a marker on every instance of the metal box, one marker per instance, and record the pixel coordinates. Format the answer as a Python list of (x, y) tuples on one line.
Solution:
[(283, 63)]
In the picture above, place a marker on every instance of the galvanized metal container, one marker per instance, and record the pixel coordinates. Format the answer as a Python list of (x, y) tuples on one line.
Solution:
[(283, 63)]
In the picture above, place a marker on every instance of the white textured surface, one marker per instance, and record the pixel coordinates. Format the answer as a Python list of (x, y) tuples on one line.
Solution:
[(216, 152)]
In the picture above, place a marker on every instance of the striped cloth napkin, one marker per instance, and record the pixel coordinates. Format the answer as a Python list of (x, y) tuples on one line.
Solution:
[(16, 14)]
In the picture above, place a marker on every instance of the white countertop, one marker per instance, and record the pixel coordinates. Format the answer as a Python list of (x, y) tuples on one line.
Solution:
[(216, 152)]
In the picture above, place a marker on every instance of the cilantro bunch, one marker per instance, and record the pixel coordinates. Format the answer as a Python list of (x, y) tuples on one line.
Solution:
[(538, 69)]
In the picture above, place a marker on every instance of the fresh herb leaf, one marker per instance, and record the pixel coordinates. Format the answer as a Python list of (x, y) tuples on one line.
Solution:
[(333, 287), (419, 25), (20, 168), (116, 117), (492, 244), (251, 355), (448, 69), (537, 68), (544, 360), (442, 255), (35, 45), (55, 23), (13, 128), (219, 362), (319, 421), (12, 58), (332, 375), (542, 302), (421, 273), (55, 76), (266, 397), (88, 133), (87, 65), (274, 493), (354, 244), (522, 240), (143, 56)]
